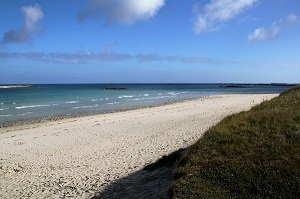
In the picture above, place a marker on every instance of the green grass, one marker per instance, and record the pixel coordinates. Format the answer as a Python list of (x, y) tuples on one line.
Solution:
[(253, 154)]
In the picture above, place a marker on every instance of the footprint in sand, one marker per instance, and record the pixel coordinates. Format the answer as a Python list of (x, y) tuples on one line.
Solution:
[(18, 142), (56, 134)]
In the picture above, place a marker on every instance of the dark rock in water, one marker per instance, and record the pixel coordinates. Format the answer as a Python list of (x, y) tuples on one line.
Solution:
[(115, 88)]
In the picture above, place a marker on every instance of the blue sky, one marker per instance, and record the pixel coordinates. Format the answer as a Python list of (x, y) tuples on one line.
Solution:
[(147, 41)]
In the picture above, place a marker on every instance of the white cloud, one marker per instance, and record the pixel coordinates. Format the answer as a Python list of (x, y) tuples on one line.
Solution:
[(291, 18), (217, 12), (121, 11), (33, 16), (262, 34)]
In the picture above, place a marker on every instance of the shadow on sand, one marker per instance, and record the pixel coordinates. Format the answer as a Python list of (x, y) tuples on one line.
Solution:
[(154, 181)]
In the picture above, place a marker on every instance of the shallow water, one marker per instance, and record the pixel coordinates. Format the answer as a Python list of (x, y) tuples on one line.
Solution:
[(43, 101)]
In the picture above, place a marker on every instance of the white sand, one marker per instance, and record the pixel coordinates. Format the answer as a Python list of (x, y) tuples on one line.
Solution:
[(78, 157), (15, 86)]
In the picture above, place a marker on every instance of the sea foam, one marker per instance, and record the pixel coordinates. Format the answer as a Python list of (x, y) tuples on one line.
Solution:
[(32, 106), (71, 102), (79, 107), (5, 115), (125, 96), (22, 114)]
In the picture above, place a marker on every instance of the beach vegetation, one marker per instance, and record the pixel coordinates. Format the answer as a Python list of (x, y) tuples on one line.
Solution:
[(252, 154)]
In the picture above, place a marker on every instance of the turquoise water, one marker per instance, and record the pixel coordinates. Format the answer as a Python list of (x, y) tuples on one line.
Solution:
[(43, 101)]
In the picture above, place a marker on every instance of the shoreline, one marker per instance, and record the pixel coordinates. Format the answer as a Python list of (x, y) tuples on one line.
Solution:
[(8, 124), (80, 158), (42, 120)]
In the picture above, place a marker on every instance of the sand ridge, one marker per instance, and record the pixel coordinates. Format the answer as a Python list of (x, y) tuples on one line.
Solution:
[(79, 157)]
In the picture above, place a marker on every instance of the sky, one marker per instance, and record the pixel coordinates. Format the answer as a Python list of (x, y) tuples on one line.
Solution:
[(149, 41)]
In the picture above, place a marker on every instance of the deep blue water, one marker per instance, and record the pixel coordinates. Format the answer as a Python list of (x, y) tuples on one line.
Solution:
[(42, 101)]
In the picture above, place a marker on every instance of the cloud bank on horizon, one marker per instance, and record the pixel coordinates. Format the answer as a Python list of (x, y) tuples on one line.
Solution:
[(85, 57), (121, 11), (33, 16)]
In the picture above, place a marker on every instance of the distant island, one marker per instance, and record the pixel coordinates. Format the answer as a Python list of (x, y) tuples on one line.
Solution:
[(15, 86), (233, 86), (249, 85), (115, 88)]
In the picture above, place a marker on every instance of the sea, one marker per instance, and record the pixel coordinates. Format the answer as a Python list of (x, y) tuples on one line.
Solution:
[(59, 100)]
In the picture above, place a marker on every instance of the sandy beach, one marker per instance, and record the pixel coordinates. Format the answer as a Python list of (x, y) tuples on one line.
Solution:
[(79, 157), (14, 86)]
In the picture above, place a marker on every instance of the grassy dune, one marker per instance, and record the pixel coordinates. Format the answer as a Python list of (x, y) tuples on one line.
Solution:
[(253, 154)]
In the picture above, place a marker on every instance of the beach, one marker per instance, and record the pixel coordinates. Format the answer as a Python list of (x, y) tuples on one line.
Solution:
[(80, 157), (14, 86)]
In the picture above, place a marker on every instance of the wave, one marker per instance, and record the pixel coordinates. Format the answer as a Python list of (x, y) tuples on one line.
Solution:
[(183, 93), (32, 106), (172, 93), (161, 97), (146, 95), (5, 115), (179, 93), (112, 103), (94, 100), (22, 114), (125, 96), (3, 109), (71, 102), (79, 107), (149, 98)]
